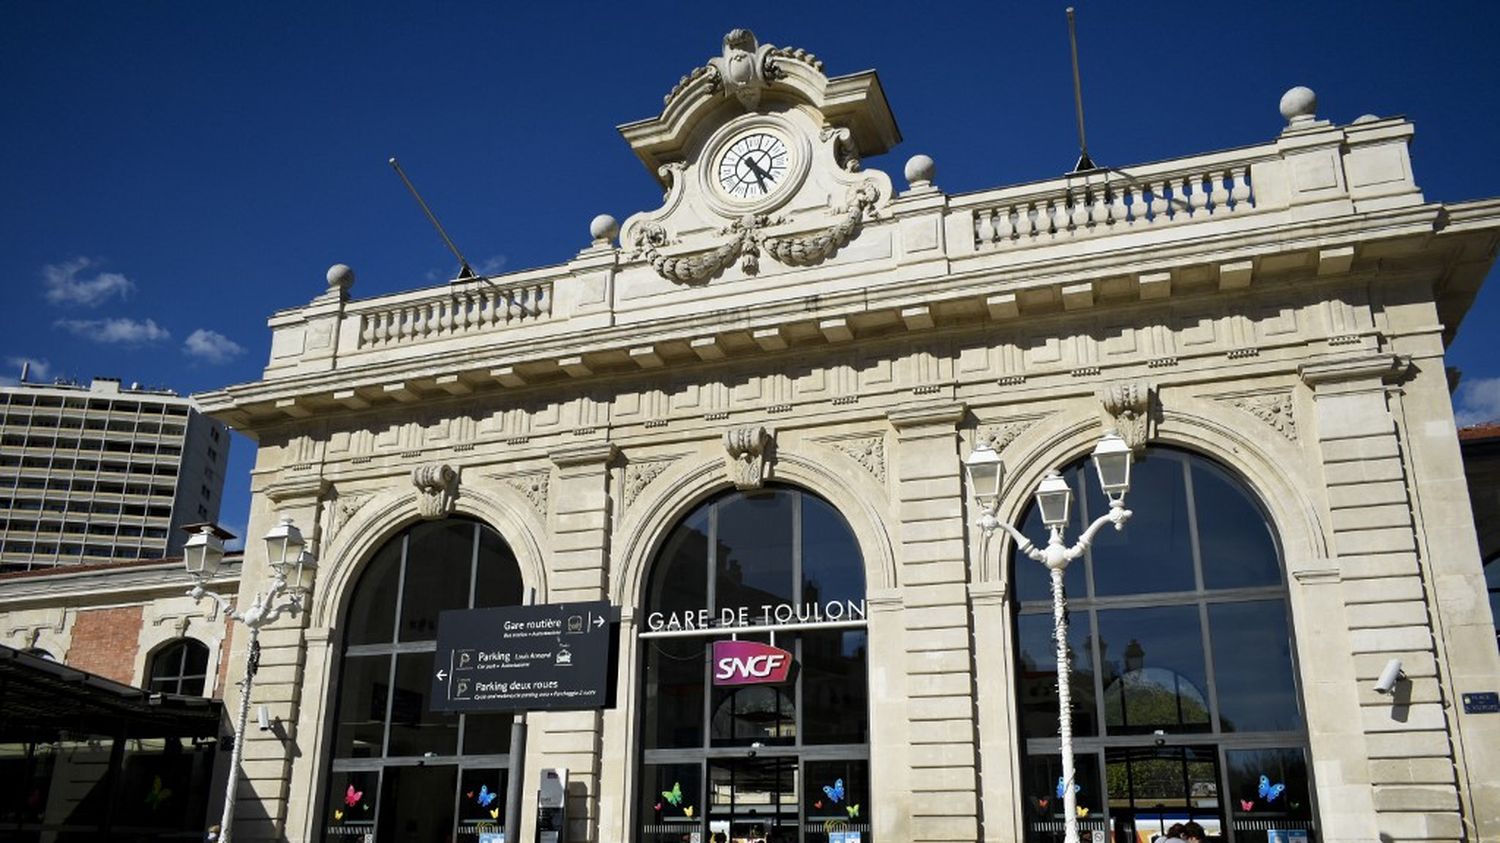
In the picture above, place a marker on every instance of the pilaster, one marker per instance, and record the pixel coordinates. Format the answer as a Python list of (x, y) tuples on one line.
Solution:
[(1406, 735), (938, 667)]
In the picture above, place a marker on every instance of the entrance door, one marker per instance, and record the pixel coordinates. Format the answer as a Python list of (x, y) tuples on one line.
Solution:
[(1153, 787), (753, 800)]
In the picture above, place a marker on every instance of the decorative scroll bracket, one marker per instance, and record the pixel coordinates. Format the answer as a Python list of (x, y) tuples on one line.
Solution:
[(746, 449), (1127, 407), (437, 489)]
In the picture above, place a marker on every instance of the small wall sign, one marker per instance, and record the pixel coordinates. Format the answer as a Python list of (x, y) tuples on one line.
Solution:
[(1482, 702)]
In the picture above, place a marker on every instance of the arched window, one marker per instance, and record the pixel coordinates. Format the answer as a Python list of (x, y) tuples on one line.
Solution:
[(178, 667), (401, 771), (746, 743), (1184, 687)]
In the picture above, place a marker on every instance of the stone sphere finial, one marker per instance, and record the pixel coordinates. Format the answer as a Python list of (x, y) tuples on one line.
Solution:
[(603, 229), (1299, 105), (340, 277), (919, 171)]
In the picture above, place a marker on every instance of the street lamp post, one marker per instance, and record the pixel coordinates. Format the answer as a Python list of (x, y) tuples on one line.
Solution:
[(1053, 496), (293, 569)]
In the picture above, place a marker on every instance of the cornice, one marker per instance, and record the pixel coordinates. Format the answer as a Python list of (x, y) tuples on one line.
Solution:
[(1385, 367), (126, 584)]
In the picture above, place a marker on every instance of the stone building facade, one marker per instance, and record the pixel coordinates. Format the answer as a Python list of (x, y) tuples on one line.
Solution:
[(791, 327)]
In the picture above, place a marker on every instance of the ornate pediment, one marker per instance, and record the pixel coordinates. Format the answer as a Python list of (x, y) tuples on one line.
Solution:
[(759, 153)]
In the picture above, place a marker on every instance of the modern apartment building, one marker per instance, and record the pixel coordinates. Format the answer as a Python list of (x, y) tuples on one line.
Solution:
[(102, 472)]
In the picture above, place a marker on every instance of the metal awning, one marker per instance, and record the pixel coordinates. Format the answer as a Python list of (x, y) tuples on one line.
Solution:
[(41, 698)]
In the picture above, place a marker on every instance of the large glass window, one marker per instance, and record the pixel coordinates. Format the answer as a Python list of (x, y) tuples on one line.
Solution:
[(1185, 700), (780, 760), (401, 771), (179, 667)]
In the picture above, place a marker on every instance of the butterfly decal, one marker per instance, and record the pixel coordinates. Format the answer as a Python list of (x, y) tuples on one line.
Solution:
[(687, 811), (1247, 804), (818, 804), (1076, 787), (1042, 802), (338, 813), (836, 793), (470, 794), (1268, 791), (853, 810), (494, 813), (485, 797), (352, 796), (1082, 811), (157, 794), (658, 807), (673, 796)]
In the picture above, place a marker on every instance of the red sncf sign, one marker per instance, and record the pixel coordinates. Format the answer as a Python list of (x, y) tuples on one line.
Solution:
[(750, 663)]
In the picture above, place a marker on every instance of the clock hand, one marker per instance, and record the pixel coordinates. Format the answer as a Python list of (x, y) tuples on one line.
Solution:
[(760, 175)]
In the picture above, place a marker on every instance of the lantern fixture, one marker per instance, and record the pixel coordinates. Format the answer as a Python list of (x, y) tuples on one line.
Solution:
[(1112, 458), (204, 551), (984, 470), (284, 546), (1053, 498)]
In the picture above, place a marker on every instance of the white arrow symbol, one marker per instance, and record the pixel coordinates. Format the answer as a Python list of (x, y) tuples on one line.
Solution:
[(598, 621), (442, 674)]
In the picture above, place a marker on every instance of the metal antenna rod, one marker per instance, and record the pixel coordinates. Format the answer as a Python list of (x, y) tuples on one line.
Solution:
[(465, 271), (1084, 162)]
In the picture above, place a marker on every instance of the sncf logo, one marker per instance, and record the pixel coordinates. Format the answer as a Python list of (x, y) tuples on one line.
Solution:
[(750, 663)]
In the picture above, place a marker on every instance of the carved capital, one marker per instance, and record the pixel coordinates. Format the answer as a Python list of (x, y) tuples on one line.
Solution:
[(745, 450), (437, 489), (1127, 408)]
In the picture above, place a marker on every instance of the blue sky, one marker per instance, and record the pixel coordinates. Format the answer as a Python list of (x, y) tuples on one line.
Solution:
[(176, 171)]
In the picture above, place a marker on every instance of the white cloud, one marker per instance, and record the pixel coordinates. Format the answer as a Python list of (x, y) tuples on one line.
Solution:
[(40, 371), (211, 346), (1477, 401), (63, 285), (491, 265), (123, 331)]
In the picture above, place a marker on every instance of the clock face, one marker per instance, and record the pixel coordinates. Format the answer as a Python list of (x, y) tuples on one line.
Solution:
[(753, 166)]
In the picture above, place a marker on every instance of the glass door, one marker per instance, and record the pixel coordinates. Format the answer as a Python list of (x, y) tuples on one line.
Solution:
[(1151, 788), (753, 800)]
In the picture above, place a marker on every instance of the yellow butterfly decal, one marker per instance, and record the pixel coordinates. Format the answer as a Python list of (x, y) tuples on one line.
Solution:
[(494, 813), (1082, 811), (338, 813), (158, 794), (687, 811), (853, 810)]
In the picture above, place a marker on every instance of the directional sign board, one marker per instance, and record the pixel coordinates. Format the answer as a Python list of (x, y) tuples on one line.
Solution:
[(553, 656)]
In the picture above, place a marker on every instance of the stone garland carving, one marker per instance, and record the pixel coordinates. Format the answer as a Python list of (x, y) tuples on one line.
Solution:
[(868, 451), (638, 475), (747, 241), (1128, 406), (343, 509), (1274, 409), (533, 487), (745, 455), (437, 489)]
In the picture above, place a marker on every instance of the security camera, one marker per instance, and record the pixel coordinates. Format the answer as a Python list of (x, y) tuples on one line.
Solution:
[(1389, 677), (263, 718)]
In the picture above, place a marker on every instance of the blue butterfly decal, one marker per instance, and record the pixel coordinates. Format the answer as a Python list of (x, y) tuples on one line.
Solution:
[(485, 797), (836, 793), (1269, 791), (1076, 787)]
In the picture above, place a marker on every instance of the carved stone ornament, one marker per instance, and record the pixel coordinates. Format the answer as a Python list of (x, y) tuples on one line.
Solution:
[(437, 489), (1000, 434), (638, 475), (1128, 407), (868, 451), (745, 456), (343, 509), (1275, 409), (747, 240), (744, 69), (533, 486)]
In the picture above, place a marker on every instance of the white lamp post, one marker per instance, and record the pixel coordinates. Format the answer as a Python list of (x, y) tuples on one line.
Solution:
[(293, 568), (1053, 497)]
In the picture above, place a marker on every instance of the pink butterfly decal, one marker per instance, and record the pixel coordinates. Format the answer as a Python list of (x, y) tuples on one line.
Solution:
[(1247, 804), (658, 806), (352, 796)]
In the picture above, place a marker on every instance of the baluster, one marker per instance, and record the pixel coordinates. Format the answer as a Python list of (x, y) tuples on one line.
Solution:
[(1118, 211), (1240, 192), (383, 327), (366, 330), (515, 305), (1078, 216), (1056, 217), (409, 322), (423, 323), (1159, 202), (1007, 228), (1197, 197), (539, 293), (1220, 195), (473, 307), (985, 228), (487, 318), (1099, 211)]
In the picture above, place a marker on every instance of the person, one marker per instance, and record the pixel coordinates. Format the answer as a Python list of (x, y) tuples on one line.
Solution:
[(1174, 832), (1192, 832)]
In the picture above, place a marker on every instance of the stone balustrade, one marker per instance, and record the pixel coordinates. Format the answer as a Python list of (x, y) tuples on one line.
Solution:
[(483, 306)]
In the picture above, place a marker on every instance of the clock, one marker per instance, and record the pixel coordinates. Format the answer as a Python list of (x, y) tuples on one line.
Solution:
[(753, 166)]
